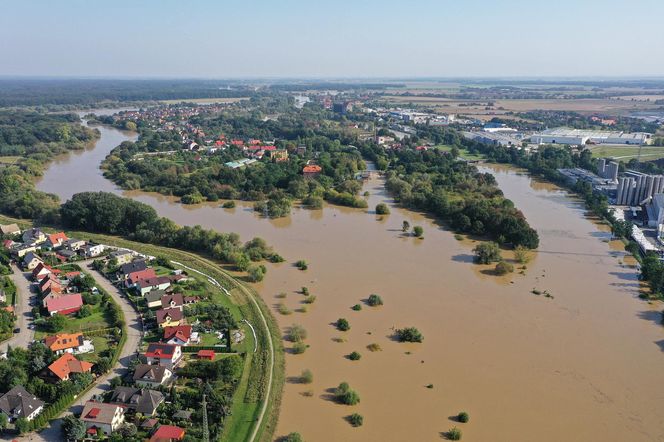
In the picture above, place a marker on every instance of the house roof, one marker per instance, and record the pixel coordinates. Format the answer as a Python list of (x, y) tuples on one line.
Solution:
[(182, 332), (205, 353), (175, 298), (150, 373), (99, 413), (312, 169), (8, 243), (41, 266), (19, 402), (142, 274), (30, 256), (151, 282), (56, 238), (174, 313), (64, 341), (154, 295), (166, 433), (68, 364), (65, 302), (134, 266), (161, 351), (142, 400)]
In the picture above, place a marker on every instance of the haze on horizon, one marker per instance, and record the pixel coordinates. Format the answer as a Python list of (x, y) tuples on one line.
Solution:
[(296, 38)]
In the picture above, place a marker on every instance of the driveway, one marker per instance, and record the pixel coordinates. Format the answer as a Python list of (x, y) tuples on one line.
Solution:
[(22, 310)]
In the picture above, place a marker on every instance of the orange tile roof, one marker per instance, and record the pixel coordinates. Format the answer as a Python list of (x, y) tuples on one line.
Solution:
[(312, 169), (55, 238), (68, 364), (63, 341)]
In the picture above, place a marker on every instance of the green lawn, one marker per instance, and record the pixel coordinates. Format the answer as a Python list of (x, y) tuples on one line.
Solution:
[(9, 160), (648, 153), (463, 153)]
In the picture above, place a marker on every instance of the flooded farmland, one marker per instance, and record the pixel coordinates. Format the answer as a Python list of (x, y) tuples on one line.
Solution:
[(584, 364)]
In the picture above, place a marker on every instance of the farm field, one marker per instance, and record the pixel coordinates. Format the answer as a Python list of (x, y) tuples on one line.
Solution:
[(626, 153)]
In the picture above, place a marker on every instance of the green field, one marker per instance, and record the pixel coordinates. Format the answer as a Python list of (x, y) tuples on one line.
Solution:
[(463, 153), (9, 160), (648, 153)]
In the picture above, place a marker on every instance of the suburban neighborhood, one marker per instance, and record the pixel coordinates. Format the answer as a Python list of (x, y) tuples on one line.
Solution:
[(116, 377)]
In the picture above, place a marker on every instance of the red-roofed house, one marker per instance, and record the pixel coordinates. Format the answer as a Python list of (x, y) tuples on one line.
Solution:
[(311, 171), (65, 304), (207, 355), (167, 433), (134, 277), (56, 239), (237, 142), (67, 364), (8, 243), (178, 335), (166, 355), (40, 271)]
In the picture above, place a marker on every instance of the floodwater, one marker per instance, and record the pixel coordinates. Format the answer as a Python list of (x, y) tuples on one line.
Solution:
[(585, 364)]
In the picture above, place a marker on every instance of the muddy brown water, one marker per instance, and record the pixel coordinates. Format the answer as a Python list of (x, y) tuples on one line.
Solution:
[(583, 365)]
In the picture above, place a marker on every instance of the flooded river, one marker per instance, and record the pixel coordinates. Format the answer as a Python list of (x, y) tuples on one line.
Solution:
[(583, 365)]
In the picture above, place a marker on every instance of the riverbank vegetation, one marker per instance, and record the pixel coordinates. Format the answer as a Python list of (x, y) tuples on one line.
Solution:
[(470, 201), (31, 140)]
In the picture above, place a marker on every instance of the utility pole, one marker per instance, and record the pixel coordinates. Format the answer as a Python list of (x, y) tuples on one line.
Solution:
[(206, 432)]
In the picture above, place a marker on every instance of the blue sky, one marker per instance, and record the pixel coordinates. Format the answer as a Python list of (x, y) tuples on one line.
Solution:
[(293, 38)]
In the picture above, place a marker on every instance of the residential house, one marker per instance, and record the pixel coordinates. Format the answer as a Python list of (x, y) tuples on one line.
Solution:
[(167, 355), (31, 260), (177, 334), (73, 244), (46, 281), (92, 250), (73, 343), (141, 400), (100, 417), (159, 283), (66, 255), (64, 304), (10, 229), (134, 277), (167, 433), (18, 403), (56, 240), (311, 171), (34, 236), (122, 256), (66, 365), (40, 271), (146, 375), (175, 300), (24, 249), (8, 244), (206, 355), (133, 266), (153, 298), (169, 317)]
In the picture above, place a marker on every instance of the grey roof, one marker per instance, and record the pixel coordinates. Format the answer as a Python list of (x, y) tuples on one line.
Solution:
[(140, 399), (18, 402), (134, 266), (183, 414), (149, 373), (154, 295)]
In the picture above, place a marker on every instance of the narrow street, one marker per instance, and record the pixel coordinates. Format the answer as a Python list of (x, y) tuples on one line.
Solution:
[(129, 351), (22, 310)]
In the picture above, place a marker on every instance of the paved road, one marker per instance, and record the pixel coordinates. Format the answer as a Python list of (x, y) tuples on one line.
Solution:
[(23, 311), (129, 351)]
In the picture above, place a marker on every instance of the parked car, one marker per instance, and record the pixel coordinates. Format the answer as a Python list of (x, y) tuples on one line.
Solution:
[(17, 330)]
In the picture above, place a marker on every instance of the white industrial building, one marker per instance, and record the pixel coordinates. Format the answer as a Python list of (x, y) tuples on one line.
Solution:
[(636, 188), (565, 135)]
